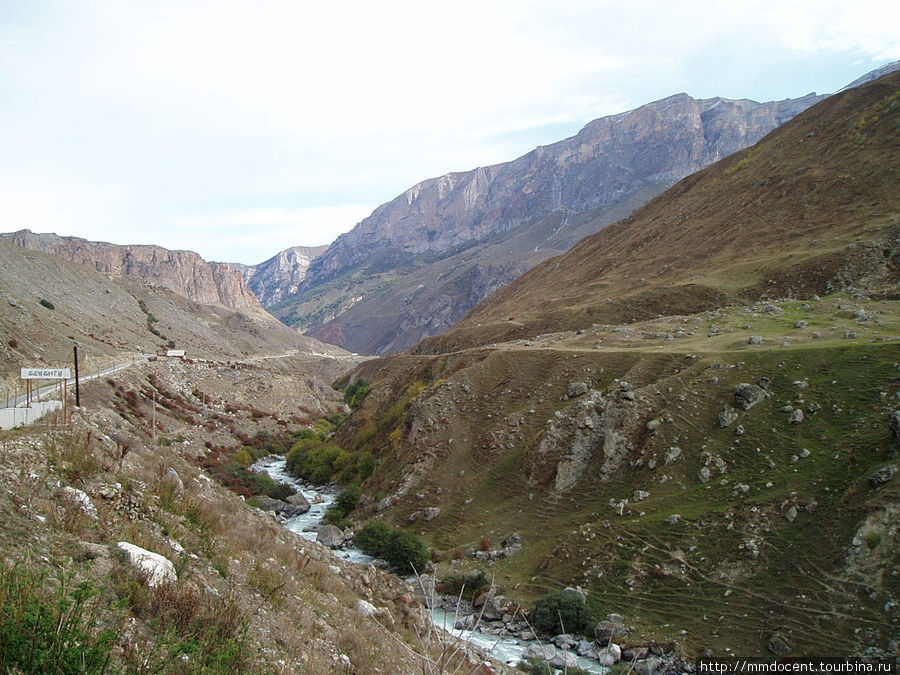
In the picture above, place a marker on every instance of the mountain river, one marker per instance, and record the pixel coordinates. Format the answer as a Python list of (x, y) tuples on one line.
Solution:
[(506, 649)]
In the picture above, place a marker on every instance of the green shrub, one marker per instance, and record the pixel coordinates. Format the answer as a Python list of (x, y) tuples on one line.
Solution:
[(49, 631), (471, 584), (315, 461), (356, 392), (401, 550), (562, 611)]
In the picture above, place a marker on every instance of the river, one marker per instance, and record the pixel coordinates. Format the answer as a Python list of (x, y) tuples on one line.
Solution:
[(506, 649)]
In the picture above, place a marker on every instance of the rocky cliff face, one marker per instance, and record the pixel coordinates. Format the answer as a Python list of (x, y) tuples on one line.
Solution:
[(401, 268), (610, 159), (280, 275), (183, 272)]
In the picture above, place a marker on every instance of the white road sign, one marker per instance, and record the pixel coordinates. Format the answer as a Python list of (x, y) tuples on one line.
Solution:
[(46, 373)]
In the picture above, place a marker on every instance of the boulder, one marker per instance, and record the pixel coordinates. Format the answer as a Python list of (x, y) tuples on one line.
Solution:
[(610, 655), (727, 417), (81, 500), (173, 480), (540, 652), (779, 645), (330, 536), (882, 476), (607, 632), (431, 513), (156, 569), (564, 661), (278, 506), (300, 502), (652, 665), (748, 395), (577, 389), (894, 424)]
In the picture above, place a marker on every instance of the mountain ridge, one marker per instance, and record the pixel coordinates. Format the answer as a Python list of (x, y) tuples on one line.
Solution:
[(182, 272), (398, 276)]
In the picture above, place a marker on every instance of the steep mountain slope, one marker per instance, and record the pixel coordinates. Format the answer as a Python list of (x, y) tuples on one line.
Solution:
[(406, 271), (670, 418), (280, 275), (182, 272), (813, 209)]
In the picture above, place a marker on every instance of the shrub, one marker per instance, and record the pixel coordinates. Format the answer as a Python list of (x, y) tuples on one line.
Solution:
[(561, 612), (471, 584), (315, 461), (356, 392), (47, 304), (401, 550), (45, 631), (348, 499)]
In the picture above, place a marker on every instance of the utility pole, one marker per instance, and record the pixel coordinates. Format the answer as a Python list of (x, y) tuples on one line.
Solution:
[(77, 389)]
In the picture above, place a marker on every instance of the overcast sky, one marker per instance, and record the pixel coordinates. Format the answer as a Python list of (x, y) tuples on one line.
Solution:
[(237, 129)]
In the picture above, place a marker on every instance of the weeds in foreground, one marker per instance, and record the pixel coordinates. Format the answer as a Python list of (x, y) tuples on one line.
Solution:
[(196, 632), (50, 627)]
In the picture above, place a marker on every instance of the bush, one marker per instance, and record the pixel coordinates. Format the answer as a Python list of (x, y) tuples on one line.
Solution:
[(471, 584), (47, 304), (356, 392), (401, 550), (561, 612), (45, 631), (315, 461)]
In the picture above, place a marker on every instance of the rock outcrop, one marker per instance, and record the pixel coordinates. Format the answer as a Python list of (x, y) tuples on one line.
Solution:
[(280, 275), (182, 272)]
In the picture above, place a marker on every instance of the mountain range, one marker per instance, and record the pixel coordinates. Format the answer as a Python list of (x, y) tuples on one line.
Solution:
[(419, 262)]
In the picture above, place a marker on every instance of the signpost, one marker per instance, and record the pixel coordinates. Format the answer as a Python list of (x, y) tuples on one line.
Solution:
[(29, 374)]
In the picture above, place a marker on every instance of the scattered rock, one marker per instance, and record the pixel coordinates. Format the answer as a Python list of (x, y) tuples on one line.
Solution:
[(704, 475), (640, 495), (431, 513), (755, 340), (791, 514), (674, 519), (796, 417), (894, 424), (653, 425)]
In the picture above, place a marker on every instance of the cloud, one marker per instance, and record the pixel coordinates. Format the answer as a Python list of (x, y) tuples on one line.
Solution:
[(157, 117)]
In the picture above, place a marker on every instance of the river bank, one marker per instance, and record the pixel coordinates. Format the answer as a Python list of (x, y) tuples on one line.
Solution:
[(503, 636)]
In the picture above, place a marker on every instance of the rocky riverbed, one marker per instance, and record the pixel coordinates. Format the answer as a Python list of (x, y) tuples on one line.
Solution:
[(493, 622)]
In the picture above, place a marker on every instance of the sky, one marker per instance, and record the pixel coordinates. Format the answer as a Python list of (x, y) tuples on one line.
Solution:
[(240, 128)]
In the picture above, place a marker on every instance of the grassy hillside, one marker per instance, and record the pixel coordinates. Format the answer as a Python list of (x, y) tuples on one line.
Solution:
[(811, 209), (590, 406)]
